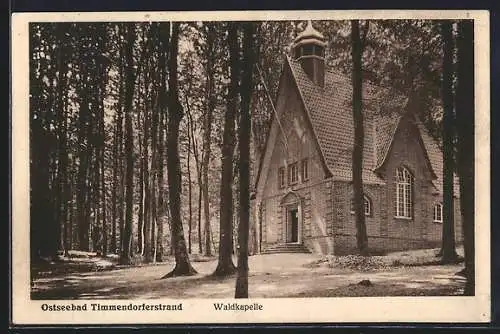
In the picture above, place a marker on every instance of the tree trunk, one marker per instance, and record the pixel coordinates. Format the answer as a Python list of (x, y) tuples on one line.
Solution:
[(147, 193), (161, 190), (357, 154), (66, 190), (449, 254), (102, 140), (225, 265), (52, 202), (182, 265), (70, 211), (104, 247), (198, 172), (140, 214), (62, 94), (114, 188), (206, 212), (41, 218), (34, 138), (200, 236), (241, 290), (121, 177), (207, 134), (465, 129), (154, 209), (95, 230), (154, 151), (83, 189), (190, 188), (193, 144), (126, 252), (120, 156), (164, 37)]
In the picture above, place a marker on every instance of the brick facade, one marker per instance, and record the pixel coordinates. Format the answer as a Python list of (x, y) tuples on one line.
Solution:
[(385, 232), (313, 195), (326, 224)]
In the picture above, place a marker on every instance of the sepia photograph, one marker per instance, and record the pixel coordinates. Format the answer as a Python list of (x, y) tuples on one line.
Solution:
[(245, 160)]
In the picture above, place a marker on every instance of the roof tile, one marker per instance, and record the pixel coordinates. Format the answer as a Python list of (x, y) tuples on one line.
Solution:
[(330, 111)]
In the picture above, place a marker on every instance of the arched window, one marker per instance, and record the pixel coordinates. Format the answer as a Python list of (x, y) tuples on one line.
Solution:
[(404, 193), (438, 213), (367, 206)]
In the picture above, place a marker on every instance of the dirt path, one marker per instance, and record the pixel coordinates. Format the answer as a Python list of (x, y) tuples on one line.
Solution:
[(277, 275)]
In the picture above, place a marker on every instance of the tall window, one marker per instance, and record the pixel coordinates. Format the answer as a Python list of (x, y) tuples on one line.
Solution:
[(304, 166), (281, 177), (293, 173), (404, 193), (438, 213), (367, 206)]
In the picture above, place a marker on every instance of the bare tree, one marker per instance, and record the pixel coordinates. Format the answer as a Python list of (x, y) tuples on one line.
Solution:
[(465, 131), (225, 265), (182, 264), (244, 131), (207, 134), (448, 251), (126, 251), (357, 43), (164, 37)]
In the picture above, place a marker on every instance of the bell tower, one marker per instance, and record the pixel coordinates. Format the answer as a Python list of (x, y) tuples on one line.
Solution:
[(309, 49)]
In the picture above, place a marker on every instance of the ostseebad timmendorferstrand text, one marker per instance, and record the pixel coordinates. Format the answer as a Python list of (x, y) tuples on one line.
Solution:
[(111, 307)]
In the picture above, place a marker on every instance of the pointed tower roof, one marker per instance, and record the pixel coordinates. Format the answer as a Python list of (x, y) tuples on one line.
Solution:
[(310, 35)]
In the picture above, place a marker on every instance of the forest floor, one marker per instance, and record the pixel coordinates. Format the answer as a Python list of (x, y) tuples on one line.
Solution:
[(274, 275)]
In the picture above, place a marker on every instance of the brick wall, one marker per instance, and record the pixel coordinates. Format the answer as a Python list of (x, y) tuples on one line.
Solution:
[(436, 229), (385, 232), (319, 237), (344, 222)]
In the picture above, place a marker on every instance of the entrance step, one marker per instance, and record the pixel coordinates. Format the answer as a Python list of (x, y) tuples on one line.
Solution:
[(287, 248)]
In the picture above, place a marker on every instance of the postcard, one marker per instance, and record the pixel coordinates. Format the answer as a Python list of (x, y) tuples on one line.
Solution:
[(250, 167)]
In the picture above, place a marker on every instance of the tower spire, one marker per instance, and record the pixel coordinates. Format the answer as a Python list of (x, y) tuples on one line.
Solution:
[(309, 50)]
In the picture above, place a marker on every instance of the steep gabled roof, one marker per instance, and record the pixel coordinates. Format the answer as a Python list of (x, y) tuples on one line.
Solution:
[(428, 144), (435, 155), (330, 111), (385, 132), (286, 71)]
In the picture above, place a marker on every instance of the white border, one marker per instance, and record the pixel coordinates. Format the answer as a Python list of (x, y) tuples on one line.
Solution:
[(304, 310)]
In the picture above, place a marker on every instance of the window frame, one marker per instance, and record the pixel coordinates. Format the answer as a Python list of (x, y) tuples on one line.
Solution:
[(404, 194), (304, 163), (434, 213), (281, 177), (366, 200), (293, 167)]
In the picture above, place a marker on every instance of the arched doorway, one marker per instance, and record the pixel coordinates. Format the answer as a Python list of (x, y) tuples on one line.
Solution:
[(291, 205)]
